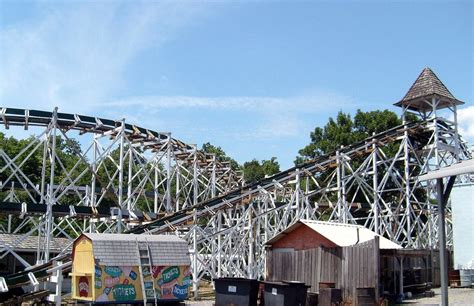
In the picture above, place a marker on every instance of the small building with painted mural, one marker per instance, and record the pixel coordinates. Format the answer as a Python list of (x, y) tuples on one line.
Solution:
[(124, 268)]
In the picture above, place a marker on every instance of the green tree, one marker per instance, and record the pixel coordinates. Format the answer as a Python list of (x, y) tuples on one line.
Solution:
[(67, 151), (344, 131), (255, 170), (368, 123), (271, 166), (220, 155)]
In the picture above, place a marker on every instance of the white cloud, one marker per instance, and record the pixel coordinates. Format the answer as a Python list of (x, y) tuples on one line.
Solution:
[(308, 104), (261, 117), (466, 122), (74, 56)]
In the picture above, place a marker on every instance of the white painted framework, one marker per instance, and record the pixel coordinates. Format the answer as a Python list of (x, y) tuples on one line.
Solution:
[(373, 183), (141, 170)]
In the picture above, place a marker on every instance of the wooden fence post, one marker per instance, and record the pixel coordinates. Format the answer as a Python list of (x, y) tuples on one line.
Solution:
[(377, 268), (269, 264)]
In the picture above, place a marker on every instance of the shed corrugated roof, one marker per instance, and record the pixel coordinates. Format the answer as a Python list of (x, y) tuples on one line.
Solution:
[(121, 249), (425, 86), (340, 234)]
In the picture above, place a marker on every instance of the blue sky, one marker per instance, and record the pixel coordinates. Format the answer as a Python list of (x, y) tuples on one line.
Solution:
[(254, 77)]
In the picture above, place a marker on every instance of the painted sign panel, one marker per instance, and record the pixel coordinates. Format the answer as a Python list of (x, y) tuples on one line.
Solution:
[(113, 271), (123, 284), (124, 292), (83, 287)]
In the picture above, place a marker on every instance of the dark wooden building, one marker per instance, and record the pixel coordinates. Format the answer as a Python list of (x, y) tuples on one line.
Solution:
[(349, 257)]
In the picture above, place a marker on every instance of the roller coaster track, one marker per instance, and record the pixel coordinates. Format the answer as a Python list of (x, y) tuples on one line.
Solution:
[(227, 230), (240, 195), (123, 163), (149, 139), (77, 212), (146, 140), (84, 124), (227, 233), (39, 271), (233, 198)]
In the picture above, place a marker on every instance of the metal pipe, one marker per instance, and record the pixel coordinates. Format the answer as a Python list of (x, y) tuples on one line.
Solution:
[(442, 242), (250, 245), (213, 176), (120, 186), (195, 178), (168, 174), (408, 207), (130, 177), (375, 186), (297, 193), (339, 191), (155, 187), (219, 243), (49, 213), (194, 257)]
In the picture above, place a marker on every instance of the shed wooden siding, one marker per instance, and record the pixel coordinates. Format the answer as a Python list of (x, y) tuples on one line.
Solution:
[(83, 259), (303, 238), (83, 256), (348, 268)]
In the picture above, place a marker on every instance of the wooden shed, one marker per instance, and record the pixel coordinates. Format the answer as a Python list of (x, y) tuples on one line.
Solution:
[(124, 268), (328, 254)]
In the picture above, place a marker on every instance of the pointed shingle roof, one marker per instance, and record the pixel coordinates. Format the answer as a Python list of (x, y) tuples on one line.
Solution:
[(426, 86)]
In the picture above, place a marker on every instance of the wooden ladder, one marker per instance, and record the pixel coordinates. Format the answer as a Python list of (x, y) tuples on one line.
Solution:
[(146, 272)]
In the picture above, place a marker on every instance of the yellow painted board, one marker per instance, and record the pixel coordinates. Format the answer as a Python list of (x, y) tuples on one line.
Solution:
[(83, 270)]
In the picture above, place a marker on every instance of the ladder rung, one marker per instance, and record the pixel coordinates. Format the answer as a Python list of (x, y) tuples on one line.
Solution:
[(145, 269)]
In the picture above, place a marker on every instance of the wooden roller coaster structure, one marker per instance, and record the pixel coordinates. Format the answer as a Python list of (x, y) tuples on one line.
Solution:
[(159, 184)]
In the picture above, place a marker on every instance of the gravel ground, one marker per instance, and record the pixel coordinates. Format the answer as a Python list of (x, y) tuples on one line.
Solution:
[(457, 296), (199, 303)]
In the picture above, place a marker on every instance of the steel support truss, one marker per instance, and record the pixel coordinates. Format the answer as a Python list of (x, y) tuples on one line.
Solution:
[(373, 183), (123, 166)]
